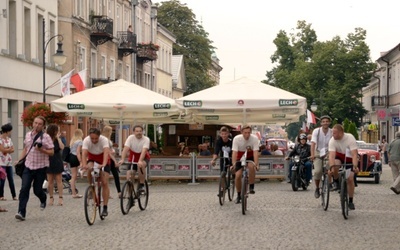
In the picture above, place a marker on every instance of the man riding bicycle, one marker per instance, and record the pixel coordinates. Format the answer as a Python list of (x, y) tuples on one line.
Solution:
[(343, 150), (319, 145), (223, 144), (138, 145), (95, 148), (242, 143)]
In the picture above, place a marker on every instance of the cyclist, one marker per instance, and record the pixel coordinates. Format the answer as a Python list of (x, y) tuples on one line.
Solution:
[(223, 144), (319, 146), (343, 149), (138, 145), (95, 148), (303, 151), (242, 143)]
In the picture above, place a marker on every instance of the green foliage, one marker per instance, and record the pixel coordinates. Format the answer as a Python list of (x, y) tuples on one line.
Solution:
[(191, 41), (352, 129), (331, 72), (346, 124)]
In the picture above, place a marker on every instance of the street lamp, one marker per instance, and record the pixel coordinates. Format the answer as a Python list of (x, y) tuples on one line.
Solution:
[(58, 57), (314, 106)]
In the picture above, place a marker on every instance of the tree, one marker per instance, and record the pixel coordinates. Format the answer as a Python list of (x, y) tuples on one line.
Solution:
[(352, 129), (332, 72), (191, 41)]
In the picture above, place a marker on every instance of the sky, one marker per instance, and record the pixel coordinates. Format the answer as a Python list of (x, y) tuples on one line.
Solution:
[(243, 31)]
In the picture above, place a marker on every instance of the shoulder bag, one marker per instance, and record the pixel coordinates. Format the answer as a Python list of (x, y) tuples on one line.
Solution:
[(20, 166)]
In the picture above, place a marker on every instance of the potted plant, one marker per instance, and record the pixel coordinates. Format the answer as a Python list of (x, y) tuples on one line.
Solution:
[(42, 109)]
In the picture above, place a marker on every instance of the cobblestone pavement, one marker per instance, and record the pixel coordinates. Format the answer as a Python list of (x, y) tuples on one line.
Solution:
[(182, 216)]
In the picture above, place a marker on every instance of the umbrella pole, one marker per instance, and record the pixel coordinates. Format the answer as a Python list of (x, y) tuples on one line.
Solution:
[(120, 135)]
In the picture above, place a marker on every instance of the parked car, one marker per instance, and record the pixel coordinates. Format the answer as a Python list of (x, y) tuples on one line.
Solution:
[(370, 164), (281, 142)]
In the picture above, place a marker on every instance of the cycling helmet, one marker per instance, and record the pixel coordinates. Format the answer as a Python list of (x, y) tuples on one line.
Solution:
[(303, 136)]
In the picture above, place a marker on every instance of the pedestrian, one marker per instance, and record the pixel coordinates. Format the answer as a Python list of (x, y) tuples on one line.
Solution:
[(383, 147), (6, 149), (394, 162), (107, 132), (38, 146), (56, 167), (63, 138), (75, 159)]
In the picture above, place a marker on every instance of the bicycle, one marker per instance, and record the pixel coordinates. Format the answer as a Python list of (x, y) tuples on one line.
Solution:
[(324, 186), (226, 183), (245, 182), (344, 195), (129, 194), (92, 201)]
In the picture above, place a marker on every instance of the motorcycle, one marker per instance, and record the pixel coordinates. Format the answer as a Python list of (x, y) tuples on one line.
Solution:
[(298, 178)]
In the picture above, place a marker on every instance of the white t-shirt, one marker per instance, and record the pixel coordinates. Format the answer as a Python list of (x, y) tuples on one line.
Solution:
[(97, 148), (136, 145), (321, 141), (343, 146), (239, 144)]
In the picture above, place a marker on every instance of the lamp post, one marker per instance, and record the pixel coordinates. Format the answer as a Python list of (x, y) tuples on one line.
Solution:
[(58, 57), (314, 106)]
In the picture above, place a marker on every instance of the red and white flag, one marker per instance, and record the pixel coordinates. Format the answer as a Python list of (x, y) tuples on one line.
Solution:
[(311, 117), (79, 80), (65, 84)]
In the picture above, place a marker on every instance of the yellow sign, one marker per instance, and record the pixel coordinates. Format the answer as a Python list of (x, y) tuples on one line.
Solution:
[(363, 174)]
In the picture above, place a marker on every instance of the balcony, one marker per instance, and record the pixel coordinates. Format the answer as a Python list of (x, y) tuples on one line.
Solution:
[(126, 43), (147, 52), (378, 101), (101, 29), (99, 81)]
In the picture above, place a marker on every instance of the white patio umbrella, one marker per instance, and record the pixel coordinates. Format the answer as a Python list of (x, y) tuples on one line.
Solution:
[(243, 101), (119, 100)]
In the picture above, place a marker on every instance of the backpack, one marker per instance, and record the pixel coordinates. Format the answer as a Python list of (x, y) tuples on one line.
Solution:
[(65, 154)]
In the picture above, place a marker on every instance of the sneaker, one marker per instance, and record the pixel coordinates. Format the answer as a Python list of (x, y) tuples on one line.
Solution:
[(351, 206), (252, 191), (317, 193), (334, 186), (394, 190), (20, 217), (42, 206), (141, 189), (237, 200), (104, 213)]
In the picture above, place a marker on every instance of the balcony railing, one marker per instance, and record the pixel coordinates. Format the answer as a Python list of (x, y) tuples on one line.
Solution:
[(126, 43), (378, 101), (147, 52), (101, 29)]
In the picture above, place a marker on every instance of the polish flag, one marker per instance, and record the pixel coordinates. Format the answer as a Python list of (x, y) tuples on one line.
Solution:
[(79, 80), (311, 117)]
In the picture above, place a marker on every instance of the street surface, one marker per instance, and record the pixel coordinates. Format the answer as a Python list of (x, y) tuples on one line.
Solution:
[(182, 216)]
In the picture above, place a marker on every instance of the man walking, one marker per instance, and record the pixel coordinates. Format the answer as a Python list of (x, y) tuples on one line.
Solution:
[(394, 162), (38, 147)]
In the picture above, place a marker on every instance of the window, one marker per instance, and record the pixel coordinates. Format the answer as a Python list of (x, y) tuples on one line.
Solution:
[(93, 64), (120, 74), (80, 5), (112, 69), (27, 34), (103, 67), (82, 58), (128, 73)]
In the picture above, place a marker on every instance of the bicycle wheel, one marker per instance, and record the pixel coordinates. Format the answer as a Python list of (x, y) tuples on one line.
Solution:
[(231, 185), (245, 183), (126, 197), (324, 189), (143, 197), (344, 199), (222, 188), (90, 205), (99, 204)]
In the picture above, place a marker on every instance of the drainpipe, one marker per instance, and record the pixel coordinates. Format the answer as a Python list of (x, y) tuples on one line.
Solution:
[(387, 97)]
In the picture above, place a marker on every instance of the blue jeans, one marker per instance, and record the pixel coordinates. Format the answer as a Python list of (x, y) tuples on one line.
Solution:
[(10, 178), (37, 177), (308, 166)]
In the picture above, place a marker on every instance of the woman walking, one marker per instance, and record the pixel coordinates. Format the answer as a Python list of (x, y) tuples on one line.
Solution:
[(6, 149), (56, 167), (75, 159)]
